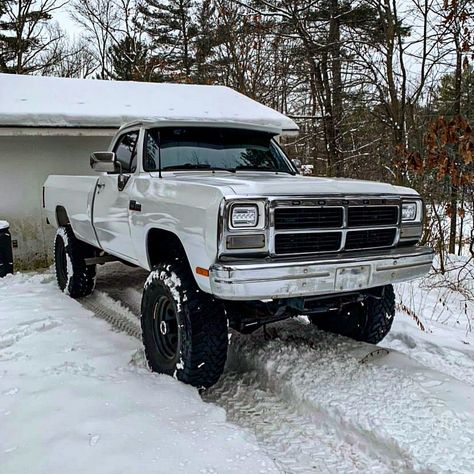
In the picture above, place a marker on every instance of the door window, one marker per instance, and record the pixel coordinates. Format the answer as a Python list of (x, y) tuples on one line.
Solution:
[(126, 151)]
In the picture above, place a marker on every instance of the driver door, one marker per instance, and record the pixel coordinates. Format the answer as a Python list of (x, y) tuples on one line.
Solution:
[(112, 201)]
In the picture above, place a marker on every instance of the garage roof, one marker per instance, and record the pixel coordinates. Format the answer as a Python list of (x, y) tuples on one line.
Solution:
[(34, 101)]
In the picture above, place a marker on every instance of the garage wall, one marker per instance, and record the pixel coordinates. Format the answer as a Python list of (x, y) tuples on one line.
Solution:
[(25, 163)]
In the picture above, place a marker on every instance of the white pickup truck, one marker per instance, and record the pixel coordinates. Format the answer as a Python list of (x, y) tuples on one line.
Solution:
[(232, 235)]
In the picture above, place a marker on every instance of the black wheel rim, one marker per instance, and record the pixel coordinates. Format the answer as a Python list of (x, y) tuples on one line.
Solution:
[(165, 328), (61, 263)]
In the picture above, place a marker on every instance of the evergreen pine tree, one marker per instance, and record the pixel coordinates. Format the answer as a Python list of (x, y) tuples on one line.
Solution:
[(172, 30), (6, 46), (129, 60), (205, 41), (27, 40), (445, 96)]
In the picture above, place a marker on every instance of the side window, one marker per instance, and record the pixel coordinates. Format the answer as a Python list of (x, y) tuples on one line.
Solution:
[(151, 158), (126, 151)]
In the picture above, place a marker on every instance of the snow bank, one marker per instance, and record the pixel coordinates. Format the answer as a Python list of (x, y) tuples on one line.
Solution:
[(396, 411), (60, 102), (74, 399), (442, 298)]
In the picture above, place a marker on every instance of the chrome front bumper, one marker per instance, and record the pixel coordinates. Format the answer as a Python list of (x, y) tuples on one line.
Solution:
[(287, 279)]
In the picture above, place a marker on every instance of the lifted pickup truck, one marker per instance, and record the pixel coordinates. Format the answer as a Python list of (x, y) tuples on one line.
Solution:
[(232, 235)]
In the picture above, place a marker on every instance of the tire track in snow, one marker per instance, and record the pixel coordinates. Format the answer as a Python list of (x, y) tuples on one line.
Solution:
[(119, 317), (117, 298), (296, 442)]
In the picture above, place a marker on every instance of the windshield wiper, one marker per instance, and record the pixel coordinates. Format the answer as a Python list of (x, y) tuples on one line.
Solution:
[(186, 166), (216, 168), (197, 166), (256, 168)]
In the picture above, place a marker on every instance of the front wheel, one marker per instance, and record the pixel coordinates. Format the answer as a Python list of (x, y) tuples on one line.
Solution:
[(184, 330), (367, 321)]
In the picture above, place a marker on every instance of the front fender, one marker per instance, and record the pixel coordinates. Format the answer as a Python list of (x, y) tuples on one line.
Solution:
[(189, 211)]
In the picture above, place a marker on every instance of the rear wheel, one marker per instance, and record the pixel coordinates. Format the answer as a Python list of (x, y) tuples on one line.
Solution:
[(367, 321), (74, 277), (184, 329)]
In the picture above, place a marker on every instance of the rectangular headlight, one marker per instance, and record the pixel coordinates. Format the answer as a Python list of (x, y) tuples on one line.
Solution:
[(409, 211), (244, 216), (412, 211)]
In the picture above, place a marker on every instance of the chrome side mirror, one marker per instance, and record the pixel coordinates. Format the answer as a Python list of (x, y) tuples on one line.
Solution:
[(104, 161), (297, 164)]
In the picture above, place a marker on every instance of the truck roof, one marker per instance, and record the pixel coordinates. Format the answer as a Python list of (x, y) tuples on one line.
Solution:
[(201, 123), (34, 101)]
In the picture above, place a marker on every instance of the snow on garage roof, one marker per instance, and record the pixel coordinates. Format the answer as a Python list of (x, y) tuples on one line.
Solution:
[(34, 101)]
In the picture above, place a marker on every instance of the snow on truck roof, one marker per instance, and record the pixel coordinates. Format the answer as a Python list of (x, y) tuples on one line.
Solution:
[(34, 101)]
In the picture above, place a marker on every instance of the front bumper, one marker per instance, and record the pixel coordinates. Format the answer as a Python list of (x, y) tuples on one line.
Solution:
[(296, 278)]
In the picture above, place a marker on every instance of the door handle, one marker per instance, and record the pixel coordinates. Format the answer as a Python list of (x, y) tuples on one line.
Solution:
[(134, 206), (100, 186)]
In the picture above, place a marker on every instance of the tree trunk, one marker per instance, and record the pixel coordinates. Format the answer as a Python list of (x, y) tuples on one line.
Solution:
[(457, 111), (335, 55)]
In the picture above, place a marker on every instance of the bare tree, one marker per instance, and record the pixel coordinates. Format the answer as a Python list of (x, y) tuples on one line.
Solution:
[(113, 27), (99, 19), (76, 59)]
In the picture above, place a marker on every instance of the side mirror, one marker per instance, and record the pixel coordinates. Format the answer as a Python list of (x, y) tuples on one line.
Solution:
[(296, 164), (104, 161)]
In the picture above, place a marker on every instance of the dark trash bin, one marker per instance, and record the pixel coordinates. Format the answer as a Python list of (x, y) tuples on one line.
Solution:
[(6, 254)]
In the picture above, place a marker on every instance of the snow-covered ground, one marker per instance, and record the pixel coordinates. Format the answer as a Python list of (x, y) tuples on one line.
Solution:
[(75, 395)]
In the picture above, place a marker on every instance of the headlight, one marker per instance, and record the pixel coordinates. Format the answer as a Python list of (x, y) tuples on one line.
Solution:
[(412, 211), (244, 216), (409, 211)]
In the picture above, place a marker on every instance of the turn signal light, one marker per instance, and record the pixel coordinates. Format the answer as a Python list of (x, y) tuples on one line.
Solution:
[(202, 271)]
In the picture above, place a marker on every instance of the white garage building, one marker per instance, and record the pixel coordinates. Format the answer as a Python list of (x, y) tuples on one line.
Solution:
[(51, 125)]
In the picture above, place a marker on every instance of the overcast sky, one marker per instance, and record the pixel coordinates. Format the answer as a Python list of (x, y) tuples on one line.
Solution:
[(65, 21)]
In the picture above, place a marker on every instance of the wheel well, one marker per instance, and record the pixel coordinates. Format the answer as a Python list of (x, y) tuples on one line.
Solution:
[(163, 246), (61, 216)]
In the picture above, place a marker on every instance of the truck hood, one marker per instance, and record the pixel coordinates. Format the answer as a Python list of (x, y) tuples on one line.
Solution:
[(267, 184)]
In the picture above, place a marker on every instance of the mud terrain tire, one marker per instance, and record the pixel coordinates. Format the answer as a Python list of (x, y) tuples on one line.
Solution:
[(184, 330), (369, 321), (74, 277)]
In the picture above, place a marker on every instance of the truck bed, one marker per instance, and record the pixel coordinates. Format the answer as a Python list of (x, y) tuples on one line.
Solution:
[(78, 193)]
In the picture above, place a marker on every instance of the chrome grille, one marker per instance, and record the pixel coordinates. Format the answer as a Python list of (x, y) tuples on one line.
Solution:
[(306, 226)]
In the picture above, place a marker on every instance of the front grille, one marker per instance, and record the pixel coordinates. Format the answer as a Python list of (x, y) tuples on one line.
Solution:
[(307, 243), (372, 216), (361, 239), (309, 217), (334, 224)]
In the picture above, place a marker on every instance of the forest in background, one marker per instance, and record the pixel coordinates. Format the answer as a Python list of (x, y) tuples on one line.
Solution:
[(381, 89)]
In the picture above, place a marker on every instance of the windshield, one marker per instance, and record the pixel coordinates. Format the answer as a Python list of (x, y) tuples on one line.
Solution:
[(214, 149)]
